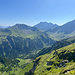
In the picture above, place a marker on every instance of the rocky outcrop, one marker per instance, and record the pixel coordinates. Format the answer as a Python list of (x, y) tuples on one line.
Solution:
[(63, 63)]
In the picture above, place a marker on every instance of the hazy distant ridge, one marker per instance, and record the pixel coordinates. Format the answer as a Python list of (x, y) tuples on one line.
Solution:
[(45, 25)]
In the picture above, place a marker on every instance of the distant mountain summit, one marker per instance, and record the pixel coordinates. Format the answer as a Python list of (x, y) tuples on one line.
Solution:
[(23, 28), (45, 25)]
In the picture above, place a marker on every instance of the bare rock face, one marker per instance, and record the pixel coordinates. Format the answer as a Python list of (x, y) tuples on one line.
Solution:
[(63, 63)]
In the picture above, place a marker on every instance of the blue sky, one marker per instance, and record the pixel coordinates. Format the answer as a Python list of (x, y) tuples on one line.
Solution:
[(31, 12)]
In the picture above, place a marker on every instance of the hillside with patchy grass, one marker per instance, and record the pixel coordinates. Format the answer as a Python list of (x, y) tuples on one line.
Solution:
[(58, 62), (16, 66)]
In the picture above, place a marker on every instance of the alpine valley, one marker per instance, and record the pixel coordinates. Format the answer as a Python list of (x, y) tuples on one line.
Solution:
[(44, 49)]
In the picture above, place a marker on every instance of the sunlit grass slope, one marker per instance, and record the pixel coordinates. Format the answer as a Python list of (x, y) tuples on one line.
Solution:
[(54, 63), (15, 67)]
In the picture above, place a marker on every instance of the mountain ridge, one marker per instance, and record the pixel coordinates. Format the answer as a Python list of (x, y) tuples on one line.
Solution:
[(67, 28), (22, 40), (65, 31), (45, 25)]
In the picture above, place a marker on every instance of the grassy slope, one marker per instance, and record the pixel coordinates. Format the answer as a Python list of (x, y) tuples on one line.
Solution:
[(26, 69), (19, 71), (67, 52), (24, 66), (15, 32), (3, 35)]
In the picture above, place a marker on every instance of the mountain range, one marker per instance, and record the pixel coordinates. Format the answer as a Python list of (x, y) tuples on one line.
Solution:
[(66, 28), (22, 40), (58, 32), (64, 31), (44, 49)]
